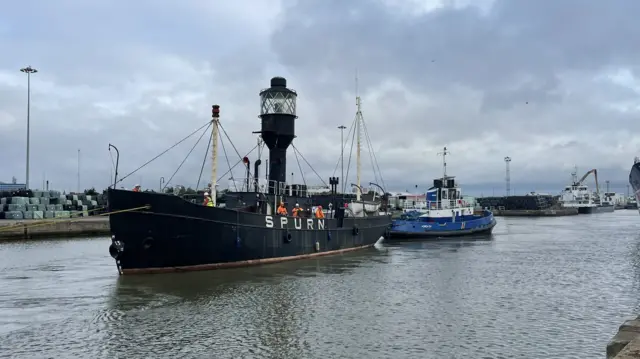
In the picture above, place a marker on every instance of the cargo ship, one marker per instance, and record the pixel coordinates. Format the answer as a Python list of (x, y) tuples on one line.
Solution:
[(174, 234)]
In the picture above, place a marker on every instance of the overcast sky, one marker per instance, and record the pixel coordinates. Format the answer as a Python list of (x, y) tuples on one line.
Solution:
[(552, 84)]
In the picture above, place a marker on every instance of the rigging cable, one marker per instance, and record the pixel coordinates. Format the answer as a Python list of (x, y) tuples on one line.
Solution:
[(165, 151), (231, 142), (307, 162), (295, 152), (224, 149), (353, 140), (237, 163), (366, 132), (343, 145), (204, 160), (187, 156)]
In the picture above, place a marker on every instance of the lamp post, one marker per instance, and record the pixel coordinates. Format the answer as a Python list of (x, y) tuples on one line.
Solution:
[(341, 127), (161, 182), (28, 70), (115, 178)]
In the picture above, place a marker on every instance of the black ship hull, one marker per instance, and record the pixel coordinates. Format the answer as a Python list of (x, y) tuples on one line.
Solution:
[(176, 235), (596, 209)]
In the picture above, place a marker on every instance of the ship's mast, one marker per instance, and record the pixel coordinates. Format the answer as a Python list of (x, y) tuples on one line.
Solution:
[(358, 143), (444, 154), (215, 119)]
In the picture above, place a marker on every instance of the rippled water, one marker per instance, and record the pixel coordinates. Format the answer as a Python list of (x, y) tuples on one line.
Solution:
[(541, 288)]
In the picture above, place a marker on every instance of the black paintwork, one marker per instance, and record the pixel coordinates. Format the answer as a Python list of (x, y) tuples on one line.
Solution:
[(178, 233)]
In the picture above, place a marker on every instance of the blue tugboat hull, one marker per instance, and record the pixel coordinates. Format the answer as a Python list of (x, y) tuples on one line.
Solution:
[(422, 229)]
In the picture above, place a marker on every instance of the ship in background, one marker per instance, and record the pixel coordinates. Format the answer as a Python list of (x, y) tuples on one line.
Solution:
[(173, 234), (634, 180), (577, 195)]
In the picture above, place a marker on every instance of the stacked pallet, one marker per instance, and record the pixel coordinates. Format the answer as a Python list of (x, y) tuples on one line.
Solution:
[(530, 202), (48, 204)]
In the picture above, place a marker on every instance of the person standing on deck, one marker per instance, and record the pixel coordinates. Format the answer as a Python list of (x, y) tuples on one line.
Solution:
[(136, 188), (296, 210), (207, 200), (319, 213), (282, 210)]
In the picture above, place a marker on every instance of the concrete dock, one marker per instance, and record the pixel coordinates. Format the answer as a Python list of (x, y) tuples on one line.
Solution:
[(63, 227), (551, 212), (626, 343)]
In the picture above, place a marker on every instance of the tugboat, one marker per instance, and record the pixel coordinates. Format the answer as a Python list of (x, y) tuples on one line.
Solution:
[(256, 226), (447, 214), (634, 181)]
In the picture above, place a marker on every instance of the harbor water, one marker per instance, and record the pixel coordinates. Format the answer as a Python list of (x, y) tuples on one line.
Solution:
[(540, 288)]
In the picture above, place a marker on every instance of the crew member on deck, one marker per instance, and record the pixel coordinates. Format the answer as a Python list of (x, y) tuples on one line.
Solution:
[(207, 200), (296, 210), (319, 213), (282, 210), (136, 188)]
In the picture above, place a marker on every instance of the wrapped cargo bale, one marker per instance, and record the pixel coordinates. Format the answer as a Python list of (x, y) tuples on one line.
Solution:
[(34, 200), (42, 207), (31, 207), (13, 215), (49, 214), (38, 214), (82, 197), (85, 214), (74, 197), (27, 215), (45, 194), (16, 207), (37, 194), (18, 200), (67, 207), (45, 200), (94, 203), (59, 207), (3, 200), (78, 203), (61, 214), (50, 207), (54, 194), (82, 208), (88, 198), (68, 202)]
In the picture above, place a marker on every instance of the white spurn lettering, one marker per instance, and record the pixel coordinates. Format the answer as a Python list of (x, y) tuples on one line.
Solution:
[(297, 223)]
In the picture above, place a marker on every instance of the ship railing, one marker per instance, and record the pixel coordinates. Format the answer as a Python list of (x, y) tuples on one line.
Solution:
[(240, 185), (264, 186)]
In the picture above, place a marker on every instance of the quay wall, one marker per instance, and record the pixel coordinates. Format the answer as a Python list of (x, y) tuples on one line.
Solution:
[(626, 343), (535, 212), (29, 229)]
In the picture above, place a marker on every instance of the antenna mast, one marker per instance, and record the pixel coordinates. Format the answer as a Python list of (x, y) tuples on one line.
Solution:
[(444, 154), (359, 119), (215, 119), (507, 161)]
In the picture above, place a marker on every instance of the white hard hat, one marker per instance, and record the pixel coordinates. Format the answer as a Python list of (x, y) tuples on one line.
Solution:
[(137, 185), (206, 193), (297, 205)]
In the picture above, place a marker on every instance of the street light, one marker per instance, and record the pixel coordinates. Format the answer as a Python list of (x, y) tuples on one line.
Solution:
[(28, 70), (341, 127), (161, 182)]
